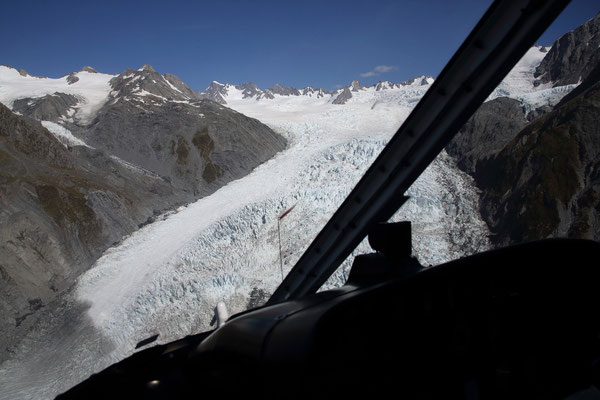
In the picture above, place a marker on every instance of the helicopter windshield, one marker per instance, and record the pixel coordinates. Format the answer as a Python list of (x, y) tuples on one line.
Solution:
[(275, 162)]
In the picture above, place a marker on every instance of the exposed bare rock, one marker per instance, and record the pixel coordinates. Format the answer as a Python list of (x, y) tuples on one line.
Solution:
[(47, 108), (573, 56), (60, 208), (72, 78), (284, 90), (486, 133), (546, 181), (343, 96), (89, 69)]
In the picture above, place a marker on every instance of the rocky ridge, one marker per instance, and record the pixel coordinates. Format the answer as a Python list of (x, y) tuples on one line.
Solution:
[(572, 57), (60, 208), (538, 169), (546, 181), (218, 92)]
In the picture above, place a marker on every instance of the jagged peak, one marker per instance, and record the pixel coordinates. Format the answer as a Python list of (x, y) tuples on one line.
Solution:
[(344, 95), (420, 80), (284, 90), (355, 86), (383, 85), (89, 69), (72, 78), (147, 67)]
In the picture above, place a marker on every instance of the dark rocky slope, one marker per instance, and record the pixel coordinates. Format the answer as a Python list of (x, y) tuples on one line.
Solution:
[(198, 146), (60, 208), (157, 122), (546, 181), (486, 133), (539, 172), (572, 57), (537, 179)]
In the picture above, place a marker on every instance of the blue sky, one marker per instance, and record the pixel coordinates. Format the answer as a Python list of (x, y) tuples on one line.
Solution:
[(295, 43)]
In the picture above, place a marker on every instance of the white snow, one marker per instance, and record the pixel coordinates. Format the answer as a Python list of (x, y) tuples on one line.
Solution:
[(141, 92), (92, 90), (518, 84), (63, 134), (171, 85)]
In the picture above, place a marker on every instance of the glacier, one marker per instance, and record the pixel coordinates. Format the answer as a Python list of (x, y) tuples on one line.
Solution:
[(167, 277)]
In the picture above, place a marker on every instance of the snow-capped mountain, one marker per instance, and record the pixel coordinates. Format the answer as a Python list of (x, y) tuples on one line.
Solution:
[(534, 158), (110, 112), (146, 82), (82, 93), (223, 93)]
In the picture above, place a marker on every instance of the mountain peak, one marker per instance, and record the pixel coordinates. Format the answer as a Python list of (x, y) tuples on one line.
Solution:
[(572, 57), (216, 92), (147, 85), (284, 90), (89, 69), (383, 85), (355, 86), (147, 67), (249, 89), (343, 97)]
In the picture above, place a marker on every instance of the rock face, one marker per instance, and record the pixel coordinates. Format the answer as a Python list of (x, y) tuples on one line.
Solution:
[(72, 78), (310, 91), (215, 92), (539, 172), (158, 123), (284, 90), (197, 144), (48, 108), (384, 85), (487, 132), (147, 81), (546, 181), (179, 85), (198, 147), (343, 97), (249, 90), (356, 86), (573, 56), (537, 179), (60, 208)]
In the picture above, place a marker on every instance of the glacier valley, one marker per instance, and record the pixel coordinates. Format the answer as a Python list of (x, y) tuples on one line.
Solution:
[(167, 277)]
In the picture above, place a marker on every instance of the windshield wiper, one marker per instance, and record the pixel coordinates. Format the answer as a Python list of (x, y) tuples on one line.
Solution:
[(503, 35)]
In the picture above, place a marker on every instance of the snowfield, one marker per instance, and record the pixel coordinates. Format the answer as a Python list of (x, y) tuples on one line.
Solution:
[(167, 277), (91, 89), (63, 134), (518, 84)]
